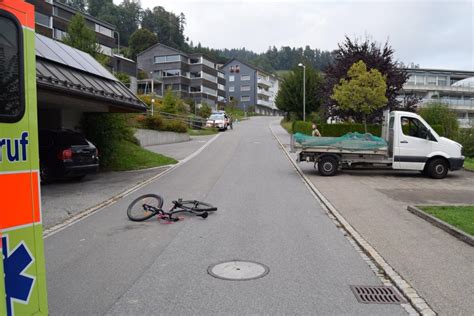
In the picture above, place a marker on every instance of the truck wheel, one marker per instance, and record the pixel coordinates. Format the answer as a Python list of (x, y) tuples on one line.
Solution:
[(327, 166), (437, 168)]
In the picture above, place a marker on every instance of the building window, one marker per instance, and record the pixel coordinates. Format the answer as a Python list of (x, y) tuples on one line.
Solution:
[(442, 81), (411, 80), (220, 86), (245, 77), (103, 30), (231, 78), (431, 80), (195, 89), (171, 73), (105, 50), (195, 60), (245, 98), (42, 19), (59, 35), (420, 80), (245, 88), (11, 79), (169, 59), (220, 75), (231, 88)]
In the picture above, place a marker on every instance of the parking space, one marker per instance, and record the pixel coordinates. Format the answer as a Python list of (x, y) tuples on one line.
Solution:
[(375, 203)]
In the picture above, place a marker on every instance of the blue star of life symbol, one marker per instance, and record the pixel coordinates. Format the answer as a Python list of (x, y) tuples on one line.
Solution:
[(18, 285)]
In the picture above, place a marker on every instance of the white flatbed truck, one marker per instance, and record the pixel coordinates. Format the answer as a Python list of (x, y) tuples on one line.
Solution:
[(419, 147)]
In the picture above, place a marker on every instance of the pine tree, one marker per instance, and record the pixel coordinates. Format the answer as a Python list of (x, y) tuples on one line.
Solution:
[(80, 36)]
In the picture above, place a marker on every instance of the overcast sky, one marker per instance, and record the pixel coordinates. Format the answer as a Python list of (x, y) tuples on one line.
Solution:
[(434, 34)]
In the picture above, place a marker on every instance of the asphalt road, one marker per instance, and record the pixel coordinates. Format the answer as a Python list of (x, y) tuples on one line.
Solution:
[(106, 264), (439, 266)]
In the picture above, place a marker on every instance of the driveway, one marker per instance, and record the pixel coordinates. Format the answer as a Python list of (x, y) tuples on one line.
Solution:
[(64, 199), (374, 202)]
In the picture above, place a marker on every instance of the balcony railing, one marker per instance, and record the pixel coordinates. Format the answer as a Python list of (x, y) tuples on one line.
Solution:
[(264, 92), (264, 81), (432, 87), (264, 103)]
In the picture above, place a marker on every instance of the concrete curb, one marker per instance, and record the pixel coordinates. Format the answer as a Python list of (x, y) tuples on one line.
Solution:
[(459, 234), (94, 209), (418, 303)]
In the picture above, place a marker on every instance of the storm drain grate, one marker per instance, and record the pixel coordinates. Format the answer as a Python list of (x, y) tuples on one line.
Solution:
[(377, 295)]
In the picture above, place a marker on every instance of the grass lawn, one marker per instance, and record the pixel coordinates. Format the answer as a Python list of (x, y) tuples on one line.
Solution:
[(202, 132), (461, 217), (287, 125), (131, 156), (469, 164)]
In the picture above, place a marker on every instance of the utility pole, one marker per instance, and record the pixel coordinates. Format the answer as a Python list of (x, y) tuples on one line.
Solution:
[(304, 90)]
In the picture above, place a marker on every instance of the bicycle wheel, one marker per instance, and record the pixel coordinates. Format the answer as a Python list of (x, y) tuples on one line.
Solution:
[(137, 211), (197, 206)]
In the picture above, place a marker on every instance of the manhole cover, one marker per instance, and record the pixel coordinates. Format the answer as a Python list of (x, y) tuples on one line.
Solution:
[(238, 270), (377, 295)]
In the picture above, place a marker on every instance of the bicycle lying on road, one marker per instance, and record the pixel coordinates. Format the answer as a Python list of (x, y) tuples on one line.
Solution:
[(149, 205)]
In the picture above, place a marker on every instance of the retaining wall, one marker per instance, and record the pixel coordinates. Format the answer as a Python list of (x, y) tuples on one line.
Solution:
[(148, 137)]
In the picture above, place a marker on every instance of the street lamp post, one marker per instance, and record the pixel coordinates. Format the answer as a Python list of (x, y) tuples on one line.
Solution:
[(152, 94), (304, 90)]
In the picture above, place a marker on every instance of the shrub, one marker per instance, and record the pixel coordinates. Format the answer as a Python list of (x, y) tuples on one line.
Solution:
[(438, 113), (154, 122), (106, 131), (205, 110), (466, 138), (175, 126), (302, 127)]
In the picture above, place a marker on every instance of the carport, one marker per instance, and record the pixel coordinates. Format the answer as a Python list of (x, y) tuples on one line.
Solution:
[(70, 82)]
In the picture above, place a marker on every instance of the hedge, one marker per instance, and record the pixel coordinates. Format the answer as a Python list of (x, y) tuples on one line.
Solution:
[(159, 124), (336, 130)]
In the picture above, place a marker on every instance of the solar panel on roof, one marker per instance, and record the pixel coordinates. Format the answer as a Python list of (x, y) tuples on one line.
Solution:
[(69, 56)]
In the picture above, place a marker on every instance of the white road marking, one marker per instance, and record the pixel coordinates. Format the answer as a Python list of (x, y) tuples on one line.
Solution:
[(375, 260), (95, 209)]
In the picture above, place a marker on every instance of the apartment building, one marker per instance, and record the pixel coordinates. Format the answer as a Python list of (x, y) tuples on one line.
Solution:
[(453, 87), (52, 19), (191, 76), (248, 86)]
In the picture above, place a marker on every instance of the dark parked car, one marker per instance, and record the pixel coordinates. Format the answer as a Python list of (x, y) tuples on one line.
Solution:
[(66, 154)]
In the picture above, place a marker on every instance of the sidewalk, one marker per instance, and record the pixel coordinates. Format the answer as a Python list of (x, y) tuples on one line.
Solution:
[(63, 199), (438, 266)]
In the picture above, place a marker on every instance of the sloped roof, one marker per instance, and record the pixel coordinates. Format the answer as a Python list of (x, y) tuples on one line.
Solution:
[(65, 69)]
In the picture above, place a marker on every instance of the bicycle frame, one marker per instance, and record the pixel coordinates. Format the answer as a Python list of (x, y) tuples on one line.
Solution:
[(168, 215)]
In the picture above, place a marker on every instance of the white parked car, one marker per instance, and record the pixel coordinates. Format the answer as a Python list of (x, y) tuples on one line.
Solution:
[(218, 120)]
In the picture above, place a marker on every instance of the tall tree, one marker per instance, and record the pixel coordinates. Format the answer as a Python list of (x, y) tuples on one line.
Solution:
[(78, 4), (166, 25), (95, 7), (374, 56), (290, 96), (80, 36), (140, 40), (362, 93), (129, 14)]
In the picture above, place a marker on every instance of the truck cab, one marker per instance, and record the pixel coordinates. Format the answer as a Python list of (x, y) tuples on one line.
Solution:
[(414, 145)]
